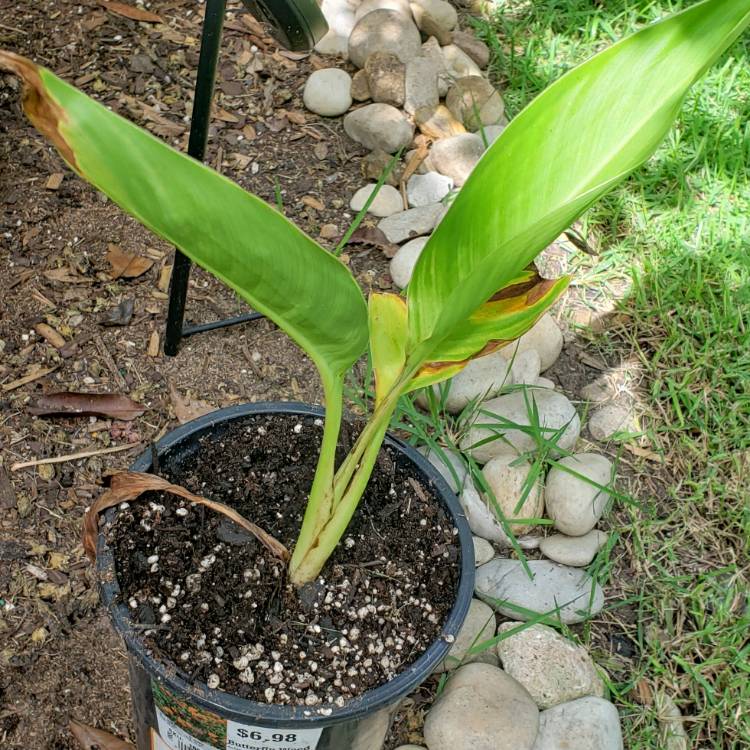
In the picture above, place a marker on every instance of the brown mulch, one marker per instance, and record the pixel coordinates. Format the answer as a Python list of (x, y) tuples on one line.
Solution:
[(58, 657)]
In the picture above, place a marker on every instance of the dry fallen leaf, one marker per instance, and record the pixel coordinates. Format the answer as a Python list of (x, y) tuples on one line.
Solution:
[(649, 455), (186, 409), (225, 116), (87, 404), (129, 485), (373, 237), (67, 276), (128, 11), (95, 739), (126, 265)]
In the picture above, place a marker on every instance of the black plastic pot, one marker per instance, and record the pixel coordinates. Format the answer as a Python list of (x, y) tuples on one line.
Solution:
[(216, 720)]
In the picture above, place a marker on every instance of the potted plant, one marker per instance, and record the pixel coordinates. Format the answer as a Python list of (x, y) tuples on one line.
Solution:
[(473, 290)]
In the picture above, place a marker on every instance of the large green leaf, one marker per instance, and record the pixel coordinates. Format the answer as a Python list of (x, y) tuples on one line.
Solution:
[(233, 234), (575, 141)]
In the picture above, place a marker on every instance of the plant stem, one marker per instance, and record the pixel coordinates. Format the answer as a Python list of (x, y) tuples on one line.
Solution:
[(320, 503), (316, 557)]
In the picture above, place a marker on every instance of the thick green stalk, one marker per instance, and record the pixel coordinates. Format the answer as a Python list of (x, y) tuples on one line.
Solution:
[(316, 557), (348, 487), (349, 465), (320, 503)]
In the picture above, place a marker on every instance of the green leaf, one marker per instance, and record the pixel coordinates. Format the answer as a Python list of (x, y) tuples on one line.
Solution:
[(507, 315), (387, 341), (233, 234), (576, 140)]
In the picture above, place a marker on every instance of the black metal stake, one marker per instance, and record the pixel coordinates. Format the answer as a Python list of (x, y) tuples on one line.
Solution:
[(199, 125)]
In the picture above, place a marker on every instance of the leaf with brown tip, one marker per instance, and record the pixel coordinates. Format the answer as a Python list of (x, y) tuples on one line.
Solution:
[(96, 739), (129, 485), (45, 114)]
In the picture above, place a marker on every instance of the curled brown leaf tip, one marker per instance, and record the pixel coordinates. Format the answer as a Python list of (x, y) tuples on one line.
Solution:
[(516, 290), (45, 114), (540, 290), (128, 485)]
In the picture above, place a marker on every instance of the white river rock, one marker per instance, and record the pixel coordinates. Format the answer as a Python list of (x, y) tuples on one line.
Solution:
[(576, 503), (552, 668), (558, 591)]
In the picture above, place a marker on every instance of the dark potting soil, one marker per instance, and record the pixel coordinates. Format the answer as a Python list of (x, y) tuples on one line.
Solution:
[(214, 602)]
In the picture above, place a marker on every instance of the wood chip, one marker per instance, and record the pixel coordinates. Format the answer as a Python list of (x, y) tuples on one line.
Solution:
[(49, 334), (164, 276), (298, 118), (7, 493), (35, 372), (312, 202), (54, 181), (129, 11), (153, 344)]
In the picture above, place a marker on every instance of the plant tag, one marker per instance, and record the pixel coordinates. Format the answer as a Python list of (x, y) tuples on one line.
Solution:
[(172, 737), (247, 737), (185, 726)]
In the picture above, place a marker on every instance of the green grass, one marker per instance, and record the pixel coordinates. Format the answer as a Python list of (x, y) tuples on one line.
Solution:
[(677, 236)]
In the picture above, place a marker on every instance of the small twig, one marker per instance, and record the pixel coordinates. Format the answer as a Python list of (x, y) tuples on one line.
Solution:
[(72, 456), (418, 489), (32, 376), (110, 362), (13, 28)]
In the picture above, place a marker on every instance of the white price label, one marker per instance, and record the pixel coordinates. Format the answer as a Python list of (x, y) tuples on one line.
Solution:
[(239, 737), (245, 737)]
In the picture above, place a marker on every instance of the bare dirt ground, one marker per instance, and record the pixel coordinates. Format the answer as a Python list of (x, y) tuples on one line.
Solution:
[(59, 659)]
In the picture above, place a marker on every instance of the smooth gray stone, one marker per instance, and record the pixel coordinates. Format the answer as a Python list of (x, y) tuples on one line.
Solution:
[(584, 724), (567, 594)]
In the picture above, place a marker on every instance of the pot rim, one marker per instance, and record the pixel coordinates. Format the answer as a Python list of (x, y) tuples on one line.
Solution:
[(284, 715)]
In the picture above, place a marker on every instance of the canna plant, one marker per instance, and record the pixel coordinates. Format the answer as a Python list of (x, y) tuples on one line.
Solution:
[(473, 289)]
